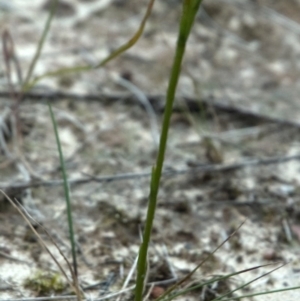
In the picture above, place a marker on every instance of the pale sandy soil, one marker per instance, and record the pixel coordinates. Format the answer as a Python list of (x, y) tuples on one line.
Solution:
[(242, 62)]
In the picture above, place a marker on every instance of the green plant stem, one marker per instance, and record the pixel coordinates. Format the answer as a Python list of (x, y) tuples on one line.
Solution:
[(41, 42), (190, 8), (67, 192)]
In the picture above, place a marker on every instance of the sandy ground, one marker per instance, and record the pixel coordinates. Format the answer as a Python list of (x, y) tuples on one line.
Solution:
[(232, 154)]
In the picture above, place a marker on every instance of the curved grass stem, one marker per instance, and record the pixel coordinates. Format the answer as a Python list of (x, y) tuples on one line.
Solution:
[(113, 55)]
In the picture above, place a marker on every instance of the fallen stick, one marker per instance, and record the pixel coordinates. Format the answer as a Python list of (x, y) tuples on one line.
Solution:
[(209, 168)]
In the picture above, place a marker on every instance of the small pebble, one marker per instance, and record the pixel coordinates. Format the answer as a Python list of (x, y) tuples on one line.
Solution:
[(270, 255), (156, 292)]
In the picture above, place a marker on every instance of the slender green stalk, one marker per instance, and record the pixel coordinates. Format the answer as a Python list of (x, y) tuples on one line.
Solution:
[(190, 8), (41, 42), (67, 191)]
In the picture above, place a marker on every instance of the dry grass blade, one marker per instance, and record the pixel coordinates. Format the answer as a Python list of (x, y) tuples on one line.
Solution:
[(44, 246), (10, 57), (209, 168), (199, 265), (248, 283), (128, 278), (132, 41)]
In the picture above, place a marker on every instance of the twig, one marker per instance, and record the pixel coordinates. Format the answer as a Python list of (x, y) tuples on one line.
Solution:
[(260, 202), (209, 168), (281, 19), (220, 104)]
